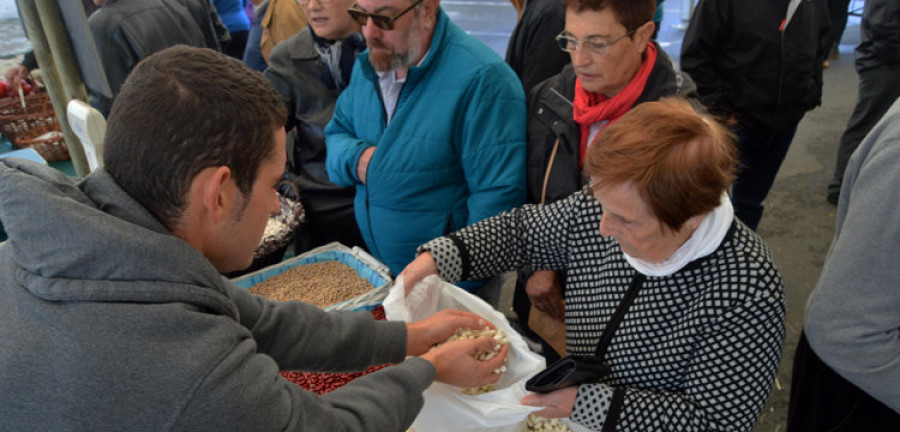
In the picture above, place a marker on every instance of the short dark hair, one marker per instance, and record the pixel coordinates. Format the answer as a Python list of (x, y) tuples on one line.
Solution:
[(680, 161), (630, 13), (182, 110)]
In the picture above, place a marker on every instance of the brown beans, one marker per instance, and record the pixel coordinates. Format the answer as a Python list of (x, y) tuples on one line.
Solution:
[(324, 382), (322, 284)]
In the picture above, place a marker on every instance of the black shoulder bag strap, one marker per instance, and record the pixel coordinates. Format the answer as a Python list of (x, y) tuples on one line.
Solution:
[(618, 399), (610, 330), (573, 370)]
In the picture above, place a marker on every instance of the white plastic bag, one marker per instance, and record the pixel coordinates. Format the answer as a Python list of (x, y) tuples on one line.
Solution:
[(446, 408)]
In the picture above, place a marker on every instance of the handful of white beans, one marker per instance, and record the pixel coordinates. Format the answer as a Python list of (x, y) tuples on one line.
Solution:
[(497, 335)]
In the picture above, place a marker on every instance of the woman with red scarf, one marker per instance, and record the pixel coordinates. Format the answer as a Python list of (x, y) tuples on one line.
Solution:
[(615, 66)]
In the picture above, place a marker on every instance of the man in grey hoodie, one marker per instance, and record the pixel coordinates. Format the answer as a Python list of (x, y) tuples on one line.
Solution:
[(847, 377), (113, 312)]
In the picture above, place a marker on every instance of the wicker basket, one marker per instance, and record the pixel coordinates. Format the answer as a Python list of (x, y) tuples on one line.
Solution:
[(34, 126)]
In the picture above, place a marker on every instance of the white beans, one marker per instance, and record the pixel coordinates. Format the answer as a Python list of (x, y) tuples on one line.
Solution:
[(497, 335), (537, 423)]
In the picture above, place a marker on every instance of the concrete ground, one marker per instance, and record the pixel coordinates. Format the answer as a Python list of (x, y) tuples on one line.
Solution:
[(798, 223)]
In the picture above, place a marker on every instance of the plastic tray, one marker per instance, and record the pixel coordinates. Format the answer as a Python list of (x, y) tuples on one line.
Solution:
[(364, 264)]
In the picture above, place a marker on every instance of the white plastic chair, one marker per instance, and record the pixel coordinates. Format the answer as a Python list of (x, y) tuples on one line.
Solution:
[(90, 127)]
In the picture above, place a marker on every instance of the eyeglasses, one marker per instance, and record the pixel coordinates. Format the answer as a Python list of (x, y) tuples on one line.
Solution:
[(381, 21), (593, 44)]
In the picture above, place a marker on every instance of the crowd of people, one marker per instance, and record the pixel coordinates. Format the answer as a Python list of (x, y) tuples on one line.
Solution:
[(622, 188)]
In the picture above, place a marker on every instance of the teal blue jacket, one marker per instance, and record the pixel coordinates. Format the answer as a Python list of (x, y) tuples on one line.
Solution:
[(453, 153)]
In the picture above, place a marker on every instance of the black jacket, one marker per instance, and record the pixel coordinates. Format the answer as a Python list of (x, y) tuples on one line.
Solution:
[(745, 66), (880, 29), (533, 53), (550, 120), (127, 31)]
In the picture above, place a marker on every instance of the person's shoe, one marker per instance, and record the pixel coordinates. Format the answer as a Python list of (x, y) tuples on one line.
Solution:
[(832, 198)]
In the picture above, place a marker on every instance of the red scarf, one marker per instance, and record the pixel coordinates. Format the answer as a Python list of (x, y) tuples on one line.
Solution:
[(591, 108)]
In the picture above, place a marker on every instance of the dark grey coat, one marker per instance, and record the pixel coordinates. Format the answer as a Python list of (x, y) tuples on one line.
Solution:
[(110, 323)]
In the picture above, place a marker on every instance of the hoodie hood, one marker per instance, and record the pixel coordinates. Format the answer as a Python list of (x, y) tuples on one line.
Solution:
[(88, 240)]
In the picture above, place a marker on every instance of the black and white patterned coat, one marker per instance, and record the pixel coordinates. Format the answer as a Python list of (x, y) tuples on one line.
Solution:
[(697, 351)]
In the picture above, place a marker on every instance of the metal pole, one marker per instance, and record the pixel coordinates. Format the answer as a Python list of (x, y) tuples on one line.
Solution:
[(57, 76)]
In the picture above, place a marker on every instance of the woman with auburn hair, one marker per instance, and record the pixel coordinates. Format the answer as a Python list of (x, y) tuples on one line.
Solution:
[(680, 300), (615, 66)]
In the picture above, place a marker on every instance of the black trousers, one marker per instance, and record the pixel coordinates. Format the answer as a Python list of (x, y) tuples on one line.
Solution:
[(236, 46), (326, 226), (879, 87), (838, 11), (823, 401), (760, 159)]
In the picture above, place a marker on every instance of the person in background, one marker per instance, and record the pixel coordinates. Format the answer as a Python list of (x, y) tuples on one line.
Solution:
[(532, 52), (683, 302), (20, 75), (150, 26), (838, 10), (878, 66), (309, 70), (430, 131), (657, 19), (235, 19), (758, 66), (615, 67), (252, 53), (846, 374), (133, 328), (281, 19)]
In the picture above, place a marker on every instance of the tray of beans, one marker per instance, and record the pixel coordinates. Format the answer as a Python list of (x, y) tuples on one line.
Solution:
[(324, 382), (332, 277)]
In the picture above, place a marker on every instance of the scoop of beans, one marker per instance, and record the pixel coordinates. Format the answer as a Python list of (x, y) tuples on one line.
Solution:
[(537, 423), (324, 382)]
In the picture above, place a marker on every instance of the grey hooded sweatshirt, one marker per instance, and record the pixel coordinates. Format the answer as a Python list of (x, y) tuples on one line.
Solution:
[(108, 322), (853, 316)]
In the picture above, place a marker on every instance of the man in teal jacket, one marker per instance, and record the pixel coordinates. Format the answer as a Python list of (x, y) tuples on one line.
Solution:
[(431, 129)]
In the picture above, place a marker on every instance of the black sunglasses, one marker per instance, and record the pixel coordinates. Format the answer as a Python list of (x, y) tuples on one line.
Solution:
[(381, 21)]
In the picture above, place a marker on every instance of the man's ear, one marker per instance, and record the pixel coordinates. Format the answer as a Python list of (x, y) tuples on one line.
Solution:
[(217, 193), (643, 34), (429, 12), (209, 200)]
